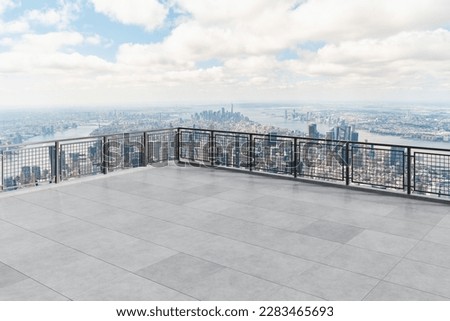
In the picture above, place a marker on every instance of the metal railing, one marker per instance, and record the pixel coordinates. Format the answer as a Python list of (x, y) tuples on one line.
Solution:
[(56, 161), (406, 169)]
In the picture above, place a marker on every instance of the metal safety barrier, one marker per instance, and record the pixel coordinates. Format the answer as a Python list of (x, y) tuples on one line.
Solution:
[(405, 169)]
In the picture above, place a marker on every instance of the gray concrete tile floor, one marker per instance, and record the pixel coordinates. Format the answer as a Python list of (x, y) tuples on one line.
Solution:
[(187, 233)]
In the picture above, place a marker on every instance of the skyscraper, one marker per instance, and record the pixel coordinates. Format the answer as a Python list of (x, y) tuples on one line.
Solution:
[(312, 131)]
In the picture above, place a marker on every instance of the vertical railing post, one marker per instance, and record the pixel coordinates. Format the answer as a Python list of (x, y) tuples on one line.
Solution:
[(57, 161), (126, 150), (295, 157), (105, 155), (177, 145), (144, 162), (408, 170), (212, 148), (347, 163), (2, 171), (250, 161)]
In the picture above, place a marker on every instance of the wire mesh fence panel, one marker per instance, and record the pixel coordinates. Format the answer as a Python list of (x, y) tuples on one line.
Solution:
[(431, 173), (196, 146), (80, 158), (273, 154), (27, 166), (321, 159), (426, 171), (124, 151), (1, 170), (232, 150), (380, 167), (161, 147)]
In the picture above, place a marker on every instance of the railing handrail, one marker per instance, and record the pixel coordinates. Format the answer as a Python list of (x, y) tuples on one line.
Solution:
[(52, 141), (318, 139), (409, 168)]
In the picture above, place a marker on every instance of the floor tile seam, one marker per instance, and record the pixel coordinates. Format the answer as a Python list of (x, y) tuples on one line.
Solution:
[(88, 222), (397, 256), (260, 224), (244, 242), (62, 213), (417, 221), (266, 225), (371, 290), (376, 229), (83, 252), (416, 289), (148, 279), (179, 251), (364, 228), (340, 268), (288, 254), (115, 206), (96, 258), (167, 221), (326, 219), (443, 227), (428, 263), (259, 246), (28, 277), (126, 193), (224, 266), (174, 204), (248, 274), (283, 211), (238, 240), (171, 202), (361, 248), (421, 240), (95, 224), (402, 220), (405, 257), (393, 235), (436, 243), (241, 202), (339, 206), (120, 190), (35, 204), (361, 192), (274, 250)]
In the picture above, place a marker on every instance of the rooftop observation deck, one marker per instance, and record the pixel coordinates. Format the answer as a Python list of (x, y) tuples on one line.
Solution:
[(166, 230), (190, 233)]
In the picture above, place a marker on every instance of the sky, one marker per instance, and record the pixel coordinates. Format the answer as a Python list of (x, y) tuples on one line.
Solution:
[(145, 52)]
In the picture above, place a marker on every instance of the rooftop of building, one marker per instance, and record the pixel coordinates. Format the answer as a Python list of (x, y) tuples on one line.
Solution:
[(192, 233)]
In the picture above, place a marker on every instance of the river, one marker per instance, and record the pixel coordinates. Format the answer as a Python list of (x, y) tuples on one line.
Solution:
[(269, 117), (80, 131)]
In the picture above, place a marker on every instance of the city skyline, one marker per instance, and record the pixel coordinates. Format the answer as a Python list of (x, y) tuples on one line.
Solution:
[(143, 52)]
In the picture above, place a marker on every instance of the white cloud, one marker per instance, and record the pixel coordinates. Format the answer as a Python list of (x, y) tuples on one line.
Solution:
[(370, 49), (355, 19), (94, 40), (49, 42), (50, 54), (60, 17), (147, 13), (225, 29), (376, 55), (14, 27), (5, 4)]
